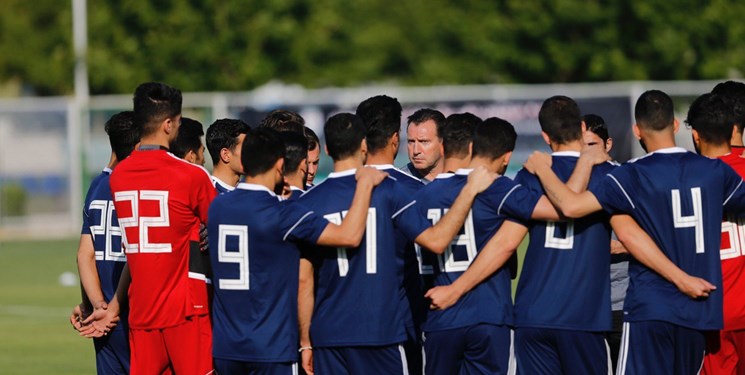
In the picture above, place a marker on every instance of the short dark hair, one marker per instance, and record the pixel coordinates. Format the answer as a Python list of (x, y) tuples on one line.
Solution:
[(733, 94), (283, 120), (426, 114), (262, 147), (654, 110), (224, 133), (344, 133), (153, 103), (710, 115), (560, 119), (493, 138), (296, 149), (457, 133), (123, 134), (188, 138), (312, 138), (381, 116), (596, 125)]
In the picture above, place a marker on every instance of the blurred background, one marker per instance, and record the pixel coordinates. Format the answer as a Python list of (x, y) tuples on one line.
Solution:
[(67, 66)]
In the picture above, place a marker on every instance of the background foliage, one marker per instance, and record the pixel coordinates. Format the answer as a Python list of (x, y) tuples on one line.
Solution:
[(207, 45)]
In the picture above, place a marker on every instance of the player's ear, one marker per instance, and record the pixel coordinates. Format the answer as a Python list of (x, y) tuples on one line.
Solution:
[(696, 137), (507, 157), (279, 165), (584, 126), (225, 155), (735, 133), (363, 146), (326, 150), (676, 125), (637, 132), (608, 144), (470, 150), (546, 138), (395, 141)]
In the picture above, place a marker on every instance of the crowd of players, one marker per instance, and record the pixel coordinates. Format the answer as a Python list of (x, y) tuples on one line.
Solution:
[(375, 270)]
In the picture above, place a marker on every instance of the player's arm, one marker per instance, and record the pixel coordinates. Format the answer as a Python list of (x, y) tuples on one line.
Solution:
[(104, 319), (436, 238), (305, 302), (492, 257), (616, 247), (590, 157), (571, 204), (349, 233), (645, 250), (88, 271)]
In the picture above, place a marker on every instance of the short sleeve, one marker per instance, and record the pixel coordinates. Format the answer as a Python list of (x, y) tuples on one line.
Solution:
[(518, 202), (614, 191), (734, 192), (410, 217), (203, 194), (300, 223)]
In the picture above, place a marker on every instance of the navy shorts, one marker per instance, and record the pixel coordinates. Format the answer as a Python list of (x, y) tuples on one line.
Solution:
[(112, 352), (227, 367), (476, 349), (654, 347), (557, 351), (360, 360)]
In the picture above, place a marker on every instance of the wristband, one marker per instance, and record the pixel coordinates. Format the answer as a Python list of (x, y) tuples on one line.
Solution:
[(304, 348)]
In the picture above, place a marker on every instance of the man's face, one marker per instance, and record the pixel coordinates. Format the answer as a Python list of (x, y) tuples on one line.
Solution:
[(313, 158), (592, 139), (235, 155), (199, 160), (425, 148)]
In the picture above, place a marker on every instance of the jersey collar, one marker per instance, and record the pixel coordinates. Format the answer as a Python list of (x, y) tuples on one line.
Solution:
[(348, 172), (222, 183), (255, 187), (295, 188), (566, 153), (444, 175), (107, 170), (670, 150), (464, 171), (382, 167)]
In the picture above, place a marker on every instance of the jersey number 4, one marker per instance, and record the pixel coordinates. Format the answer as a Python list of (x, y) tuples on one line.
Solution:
[(695, 220), (144, 222), (371, 246)]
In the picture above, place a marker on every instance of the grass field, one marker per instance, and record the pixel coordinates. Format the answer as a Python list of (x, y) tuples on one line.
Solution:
[(35, 335)]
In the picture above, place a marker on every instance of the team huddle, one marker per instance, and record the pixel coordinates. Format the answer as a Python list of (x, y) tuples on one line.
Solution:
[(376, 270)]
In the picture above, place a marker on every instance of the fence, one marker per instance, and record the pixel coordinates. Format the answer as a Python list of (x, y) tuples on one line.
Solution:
[(50, 147)]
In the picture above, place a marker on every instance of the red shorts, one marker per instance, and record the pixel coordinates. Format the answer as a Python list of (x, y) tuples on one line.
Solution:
[(183, 349), (725, 355)]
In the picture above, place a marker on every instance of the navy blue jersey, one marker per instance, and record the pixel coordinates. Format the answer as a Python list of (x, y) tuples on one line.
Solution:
[(221, 186), (490, 301), (677, 197), (295, 193), (565, 277), (100, 221), (255, 269), (360, 296)]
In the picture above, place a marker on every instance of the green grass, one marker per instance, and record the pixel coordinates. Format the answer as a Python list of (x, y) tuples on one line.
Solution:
[(35, 334)]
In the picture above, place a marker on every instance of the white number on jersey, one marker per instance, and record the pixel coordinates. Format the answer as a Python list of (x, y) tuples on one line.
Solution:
[(144, 223), (447, 260), (554, 242), (106, 229), (371, 244), (735, 229), (239, 255), (695, 221)]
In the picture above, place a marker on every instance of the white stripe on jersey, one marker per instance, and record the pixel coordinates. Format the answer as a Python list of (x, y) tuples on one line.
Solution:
[(403, 359), (733, 193), (622, 190), (296, 224), (512, 362), (607, 357), (499, 210), (294, 368), (623, 353), (403, 209)]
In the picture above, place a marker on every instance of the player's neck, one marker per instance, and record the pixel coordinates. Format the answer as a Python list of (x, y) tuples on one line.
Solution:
[(430, 173), (658, 140), (452, 164), (379, 158), (266, 179), (157, 139), (346, 164), (113, 161), (714, 151), (569, 146), (295, 179), (493, 166), (225, 174)]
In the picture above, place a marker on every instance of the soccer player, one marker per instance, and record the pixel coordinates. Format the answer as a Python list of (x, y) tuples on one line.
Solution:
[(710, 118), (314, 154), (224, 138), (283, 120), (256, 262), (100, 256), (424, 140), (358, 322), (678, 198), (295, 167), (474, 336), (734, 95), (188, 143), (161, 201), (457, 136), (381, 116)]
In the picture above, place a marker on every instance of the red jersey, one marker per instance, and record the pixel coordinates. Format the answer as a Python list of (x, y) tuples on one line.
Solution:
[(733, 258), (160, 201)]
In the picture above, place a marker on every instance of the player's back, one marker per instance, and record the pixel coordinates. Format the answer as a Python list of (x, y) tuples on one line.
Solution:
[(160, 200), (732, 254), (359, 291), (256, 274), (491, 301), (676, 197), (564, 282)]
